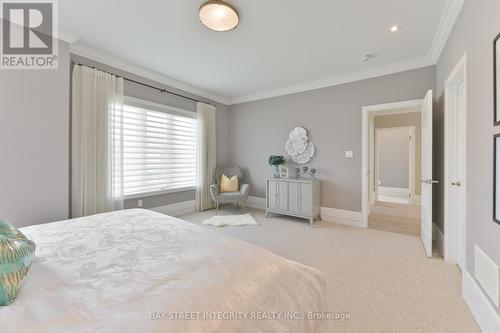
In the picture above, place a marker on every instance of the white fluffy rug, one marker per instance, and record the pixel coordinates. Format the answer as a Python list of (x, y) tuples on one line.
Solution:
[(231, 220)]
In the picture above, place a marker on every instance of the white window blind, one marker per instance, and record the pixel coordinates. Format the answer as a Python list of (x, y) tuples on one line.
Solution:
[(159, 148)]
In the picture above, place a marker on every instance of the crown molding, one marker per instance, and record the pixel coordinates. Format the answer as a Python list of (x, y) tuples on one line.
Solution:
[(449, 16), (68, 36), (341, 79), (130, 67)]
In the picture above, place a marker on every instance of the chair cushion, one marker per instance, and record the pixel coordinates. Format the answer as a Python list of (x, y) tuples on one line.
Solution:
[(230, 195), (228, 184), (16, 254)]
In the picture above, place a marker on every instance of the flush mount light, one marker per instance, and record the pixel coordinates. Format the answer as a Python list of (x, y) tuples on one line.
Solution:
[(218, 15), (394, 28)]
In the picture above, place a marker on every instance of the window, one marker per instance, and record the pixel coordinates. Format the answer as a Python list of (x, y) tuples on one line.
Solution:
[(159, 148)]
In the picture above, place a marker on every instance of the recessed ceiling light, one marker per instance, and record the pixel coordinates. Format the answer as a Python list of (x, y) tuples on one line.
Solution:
[(394, 28), (218, 15)]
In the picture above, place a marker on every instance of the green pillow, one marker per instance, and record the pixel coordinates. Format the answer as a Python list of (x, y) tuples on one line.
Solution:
[(16, 254)]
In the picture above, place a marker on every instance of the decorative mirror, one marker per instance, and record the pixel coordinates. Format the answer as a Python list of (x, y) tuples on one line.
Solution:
[(299, 147)]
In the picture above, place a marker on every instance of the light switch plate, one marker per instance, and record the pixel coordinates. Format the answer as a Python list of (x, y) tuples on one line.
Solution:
[(140, 203), (349, 154)]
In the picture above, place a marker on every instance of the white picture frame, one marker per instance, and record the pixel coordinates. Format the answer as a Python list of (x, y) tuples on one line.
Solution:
[(496, 80), (284, 172), (496, 178)]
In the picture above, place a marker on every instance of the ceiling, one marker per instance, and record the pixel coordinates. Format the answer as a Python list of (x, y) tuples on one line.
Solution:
[(280, 46)]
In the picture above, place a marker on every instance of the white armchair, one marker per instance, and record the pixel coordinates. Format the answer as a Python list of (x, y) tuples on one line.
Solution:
[(239, 197)]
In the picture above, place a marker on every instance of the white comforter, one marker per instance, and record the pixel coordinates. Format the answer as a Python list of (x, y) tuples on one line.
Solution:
[(139, 271)]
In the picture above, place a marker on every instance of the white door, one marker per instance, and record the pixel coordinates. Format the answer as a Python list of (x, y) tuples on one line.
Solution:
[(458, 179), (427, 181)]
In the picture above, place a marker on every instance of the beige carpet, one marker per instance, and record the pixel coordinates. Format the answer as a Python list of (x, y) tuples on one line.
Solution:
[(383, 279)]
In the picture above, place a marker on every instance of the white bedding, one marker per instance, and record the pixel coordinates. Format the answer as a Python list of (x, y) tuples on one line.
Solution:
[(114, 272)]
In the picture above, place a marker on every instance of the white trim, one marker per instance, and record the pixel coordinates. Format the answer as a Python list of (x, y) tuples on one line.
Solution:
[(67, 35), (458, 74), (124, 65), (176, 209), (339, 79), (340, 216), (367, 111), (394, 191), (449, 16), (256, 202), (438, 237), (160, 192), (486, 315)]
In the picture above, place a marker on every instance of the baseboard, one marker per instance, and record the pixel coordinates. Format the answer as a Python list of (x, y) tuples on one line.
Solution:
[(483, 310), (393, 191), (438, 237), (176, 209), (341, 216), (256, 202)]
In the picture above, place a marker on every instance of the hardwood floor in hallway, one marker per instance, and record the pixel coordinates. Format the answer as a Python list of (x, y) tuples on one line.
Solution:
[(395, 217)]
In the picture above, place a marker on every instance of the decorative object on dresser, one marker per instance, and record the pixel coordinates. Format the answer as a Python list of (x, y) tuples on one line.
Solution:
[(299, 147), (284, 172), (277, 161), (305, 171), (293, 197), (238, 197)]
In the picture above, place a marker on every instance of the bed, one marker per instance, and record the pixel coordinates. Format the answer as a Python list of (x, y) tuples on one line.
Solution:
[(141, 271)]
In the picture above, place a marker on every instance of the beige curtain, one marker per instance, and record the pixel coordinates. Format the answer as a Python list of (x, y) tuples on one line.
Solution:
[(97, 181), (206, 154)]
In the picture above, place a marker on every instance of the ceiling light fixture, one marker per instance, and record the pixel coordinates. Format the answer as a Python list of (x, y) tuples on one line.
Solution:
[(218, 15), (394, 28)]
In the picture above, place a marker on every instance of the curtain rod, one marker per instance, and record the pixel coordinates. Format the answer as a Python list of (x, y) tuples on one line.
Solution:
[(144, 84)]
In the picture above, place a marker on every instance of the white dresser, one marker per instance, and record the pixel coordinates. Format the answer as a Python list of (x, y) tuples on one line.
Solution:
[(294, 197)]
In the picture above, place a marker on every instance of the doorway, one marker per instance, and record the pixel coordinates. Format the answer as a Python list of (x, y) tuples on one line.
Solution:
[(423, 214), (396, 158), (455, 165), (395, 207)]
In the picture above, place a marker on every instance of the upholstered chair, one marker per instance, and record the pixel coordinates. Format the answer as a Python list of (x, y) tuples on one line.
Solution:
[(238, 198)]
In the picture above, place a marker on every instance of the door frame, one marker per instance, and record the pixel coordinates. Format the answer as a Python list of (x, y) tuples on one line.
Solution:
[(451, 237), (411, 159), (368, 114)]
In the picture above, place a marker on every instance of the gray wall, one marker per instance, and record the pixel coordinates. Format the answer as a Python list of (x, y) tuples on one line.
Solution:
[(393, 151), (407, 119), (34, 143), (333, 118), (473, 33), (138, 91)]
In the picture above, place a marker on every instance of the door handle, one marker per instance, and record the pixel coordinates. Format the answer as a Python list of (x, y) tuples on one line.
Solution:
[(429, 181), (457, 183)]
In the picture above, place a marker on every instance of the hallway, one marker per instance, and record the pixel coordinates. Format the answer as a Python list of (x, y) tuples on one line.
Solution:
[(395, 217)]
